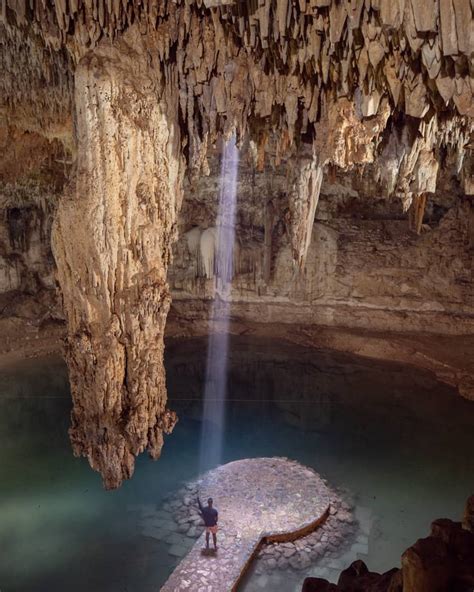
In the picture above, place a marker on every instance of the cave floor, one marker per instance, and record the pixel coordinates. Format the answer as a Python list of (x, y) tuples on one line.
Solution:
[(449, 357), (262, 498)]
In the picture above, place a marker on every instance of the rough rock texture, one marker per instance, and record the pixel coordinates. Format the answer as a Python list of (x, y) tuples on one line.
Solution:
[(365, 267), (112, 244), (303, 200), (335, 536), (26, 264), (427, 566), (441, 562), (32, 174), (298, 68), (127, 91), (468, 519), (33, 170)]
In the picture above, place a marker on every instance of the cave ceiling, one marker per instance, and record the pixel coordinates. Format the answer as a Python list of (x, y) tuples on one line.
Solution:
[(355, 80), (106, 106)]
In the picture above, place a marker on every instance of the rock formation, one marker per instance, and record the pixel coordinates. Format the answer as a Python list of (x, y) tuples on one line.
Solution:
[(126, 96), (112, 244), (468, 518), (443, 561), (294, 68), (303, 201)]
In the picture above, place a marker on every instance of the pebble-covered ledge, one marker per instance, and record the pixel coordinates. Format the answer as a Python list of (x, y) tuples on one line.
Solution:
[(259, 500)]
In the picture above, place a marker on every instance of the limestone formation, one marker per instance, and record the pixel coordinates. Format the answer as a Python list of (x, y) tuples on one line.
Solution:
[(367, 270), (124, 96), (442, 561), (303, 201), (286, 66), (357, 578), (468, 519), (112, 244), (426, 566)]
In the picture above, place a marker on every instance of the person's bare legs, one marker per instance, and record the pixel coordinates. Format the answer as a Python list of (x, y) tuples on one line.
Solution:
[(207, 539), (214, 538)]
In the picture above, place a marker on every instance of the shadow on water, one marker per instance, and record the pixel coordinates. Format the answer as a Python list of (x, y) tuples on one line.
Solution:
[(400, 441)]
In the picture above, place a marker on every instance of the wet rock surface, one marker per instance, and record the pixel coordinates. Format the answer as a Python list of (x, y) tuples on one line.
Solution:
[(333, 538)]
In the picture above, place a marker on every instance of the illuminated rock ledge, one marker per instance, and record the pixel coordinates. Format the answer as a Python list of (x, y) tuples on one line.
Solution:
[(259, 500)]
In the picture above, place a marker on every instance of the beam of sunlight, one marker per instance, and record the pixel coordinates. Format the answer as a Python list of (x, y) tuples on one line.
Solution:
[(215, 390)]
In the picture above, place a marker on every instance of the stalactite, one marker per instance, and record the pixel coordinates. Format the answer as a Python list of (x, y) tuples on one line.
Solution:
[(222, 86), (193, 241), (417, 212), (303, 201), (268, 229), (207, 244), (328, 77), (112, 243)]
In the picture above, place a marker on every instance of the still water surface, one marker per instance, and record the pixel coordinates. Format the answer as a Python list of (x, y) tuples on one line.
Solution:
[(400, 442)]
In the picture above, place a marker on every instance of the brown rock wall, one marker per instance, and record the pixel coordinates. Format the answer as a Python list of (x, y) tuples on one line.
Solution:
[(365, 267), (441, 562), (311, 85)]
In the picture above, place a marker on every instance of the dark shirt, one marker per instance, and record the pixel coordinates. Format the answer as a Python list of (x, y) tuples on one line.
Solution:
[(209, 515)]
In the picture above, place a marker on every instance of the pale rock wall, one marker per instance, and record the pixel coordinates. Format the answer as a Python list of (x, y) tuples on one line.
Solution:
[(366, 268)]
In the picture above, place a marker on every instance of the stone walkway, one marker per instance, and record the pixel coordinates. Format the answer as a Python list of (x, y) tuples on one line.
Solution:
[(258, 499)]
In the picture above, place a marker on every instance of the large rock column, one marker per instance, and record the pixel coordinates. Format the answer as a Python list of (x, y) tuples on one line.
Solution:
[(112, 243)]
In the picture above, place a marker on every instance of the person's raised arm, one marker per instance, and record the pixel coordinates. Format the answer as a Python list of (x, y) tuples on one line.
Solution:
[(200, 505)]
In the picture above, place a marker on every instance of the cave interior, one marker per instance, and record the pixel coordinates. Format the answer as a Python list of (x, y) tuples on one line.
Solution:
[(230, 229)]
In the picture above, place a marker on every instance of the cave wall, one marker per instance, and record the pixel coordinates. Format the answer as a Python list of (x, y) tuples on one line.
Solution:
[(366, 265), (125, 97), (33, 169), (26, 263), (365, 268)]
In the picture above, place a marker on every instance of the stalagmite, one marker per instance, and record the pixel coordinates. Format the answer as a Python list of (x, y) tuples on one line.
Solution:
[(112, 244)]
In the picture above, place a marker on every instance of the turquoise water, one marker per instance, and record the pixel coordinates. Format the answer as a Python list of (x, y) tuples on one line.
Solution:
[(396, 439)]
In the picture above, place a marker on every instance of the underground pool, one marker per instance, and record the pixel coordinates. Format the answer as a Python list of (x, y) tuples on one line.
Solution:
[(394, 441)]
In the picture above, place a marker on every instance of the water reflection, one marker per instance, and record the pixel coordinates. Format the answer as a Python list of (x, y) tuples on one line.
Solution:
[(392, 435)]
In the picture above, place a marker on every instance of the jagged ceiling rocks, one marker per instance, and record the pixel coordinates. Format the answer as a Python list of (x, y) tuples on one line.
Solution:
[(137, 92), (237, 62)]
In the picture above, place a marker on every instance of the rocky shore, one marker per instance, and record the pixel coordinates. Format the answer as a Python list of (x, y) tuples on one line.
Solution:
[(178, 523), (441, 562)]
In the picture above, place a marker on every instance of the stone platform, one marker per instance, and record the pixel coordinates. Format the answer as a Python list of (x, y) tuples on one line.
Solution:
[(262, 499)]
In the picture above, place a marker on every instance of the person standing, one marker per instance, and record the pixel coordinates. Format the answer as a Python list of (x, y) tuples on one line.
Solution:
[(210, 516)]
